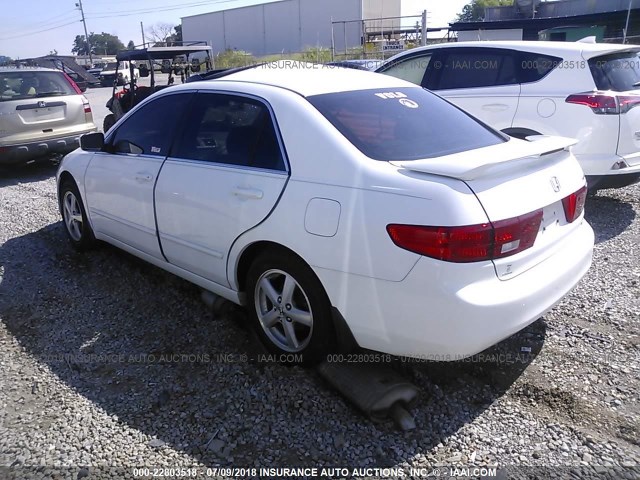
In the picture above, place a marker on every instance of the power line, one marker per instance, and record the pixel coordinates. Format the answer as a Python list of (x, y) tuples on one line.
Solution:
[(121, 14), (39, 31), (44, 23), (126, 13), (10, 19)]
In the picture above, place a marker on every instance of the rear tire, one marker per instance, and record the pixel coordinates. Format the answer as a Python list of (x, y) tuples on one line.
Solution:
[(74, 217), (289, 308)]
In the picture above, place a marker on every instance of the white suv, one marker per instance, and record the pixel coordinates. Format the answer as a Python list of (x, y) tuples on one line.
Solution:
[(581, 90)]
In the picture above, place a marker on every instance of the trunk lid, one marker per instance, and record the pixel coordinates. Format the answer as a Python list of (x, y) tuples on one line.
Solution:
[(515, 179), (41, 118), (36, 105)]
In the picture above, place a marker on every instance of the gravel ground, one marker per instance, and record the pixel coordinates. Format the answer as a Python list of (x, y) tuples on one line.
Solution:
[(92, 376)]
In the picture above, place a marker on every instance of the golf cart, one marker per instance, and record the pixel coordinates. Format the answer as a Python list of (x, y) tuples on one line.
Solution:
[(184, 59)]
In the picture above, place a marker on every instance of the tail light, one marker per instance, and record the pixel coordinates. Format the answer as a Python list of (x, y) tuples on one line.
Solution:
[(627, 102), (574, 204), (605, 104), (73, 84), (87, 107), (470, 243)]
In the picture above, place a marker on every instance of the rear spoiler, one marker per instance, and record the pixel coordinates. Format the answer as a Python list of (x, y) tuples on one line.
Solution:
[(481, 162)]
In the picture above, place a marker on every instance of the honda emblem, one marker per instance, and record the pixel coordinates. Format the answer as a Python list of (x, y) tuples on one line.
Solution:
[(555, 184)]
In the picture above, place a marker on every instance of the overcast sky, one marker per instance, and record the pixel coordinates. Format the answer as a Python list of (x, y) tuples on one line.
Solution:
[(32, 28)]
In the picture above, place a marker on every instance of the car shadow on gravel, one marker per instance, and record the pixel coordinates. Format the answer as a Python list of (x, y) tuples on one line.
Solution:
[(141, 345), (33, 172), (608, 216)]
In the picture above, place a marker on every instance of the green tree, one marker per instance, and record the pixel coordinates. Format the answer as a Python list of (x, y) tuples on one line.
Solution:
[(5, 60), (177, 36), (131, 45), (101, 44), (474, 10)]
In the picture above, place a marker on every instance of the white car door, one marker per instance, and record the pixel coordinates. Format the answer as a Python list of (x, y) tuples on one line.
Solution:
[(482, 81), (224, 177), (120, 181)]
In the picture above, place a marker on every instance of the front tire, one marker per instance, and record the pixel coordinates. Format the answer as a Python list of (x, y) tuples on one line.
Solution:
[(289, 308), (74, 217)]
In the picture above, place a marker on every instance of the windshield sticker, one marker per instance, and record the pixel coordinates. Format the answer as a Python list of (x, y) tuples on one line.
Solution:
[(390, 95), (155, 149), (408, 103)]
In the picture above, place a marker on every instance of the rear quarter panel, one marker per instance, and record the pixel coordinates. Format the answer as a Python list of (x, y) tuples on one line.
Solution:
[(371, 195), (542, 108)]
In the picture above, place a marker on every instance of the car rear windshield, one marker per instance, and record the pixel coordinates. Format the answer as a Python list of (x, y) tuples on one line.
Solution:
[(29, 84), (403, 123), (619, 72)]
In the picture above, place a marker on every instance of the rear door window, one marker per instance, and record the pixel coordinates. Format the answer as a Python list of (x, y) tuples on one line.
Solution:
[(232, 130), (403, 123), (534, 66), (456, 68), (619, 72), (411, 69)]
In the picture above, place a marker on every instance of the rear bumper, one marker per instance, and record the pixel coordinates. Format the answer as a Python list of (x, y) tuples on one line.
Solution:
[(445, 312), (612, 181), (610, 171), (15, 154)]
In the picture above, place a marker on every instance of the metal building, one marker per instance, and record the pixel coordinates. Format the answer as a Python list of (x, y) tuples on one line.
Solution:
[(287, 26)]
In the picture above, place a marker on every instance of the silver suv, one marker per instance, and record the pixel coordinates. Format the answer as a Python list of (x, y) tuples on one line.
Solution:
[(42, 112)]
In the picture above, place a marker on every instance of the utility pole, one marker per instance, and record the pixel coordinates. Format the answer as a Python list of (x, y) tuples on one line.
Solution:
[(86, 35), (144, 44), (626, 28), (423, 32)]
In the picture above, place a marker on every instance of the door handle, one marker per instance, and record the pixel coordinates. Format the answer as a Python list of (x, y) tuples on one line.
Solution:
[(495, 107), (248, 193), (143, 177)]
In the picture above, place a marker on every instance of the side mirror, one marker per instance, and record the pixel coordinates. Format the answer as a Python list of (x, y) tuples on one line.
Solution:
[(92, 142)]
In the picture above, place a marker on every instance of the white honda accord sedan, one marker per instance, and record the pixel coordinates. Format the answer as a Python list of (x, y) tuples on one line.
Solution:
[(340, 207)]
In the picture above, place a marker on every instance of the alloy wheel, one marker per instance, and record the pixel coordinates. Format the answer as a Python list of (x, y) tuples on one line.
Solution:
[(72, 215), (283, 310)]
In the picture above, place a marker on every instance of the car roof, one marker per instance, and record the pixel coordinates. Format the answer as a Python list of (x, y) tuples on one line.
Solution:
[(27, 69), (588, 49), (309, 79)]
